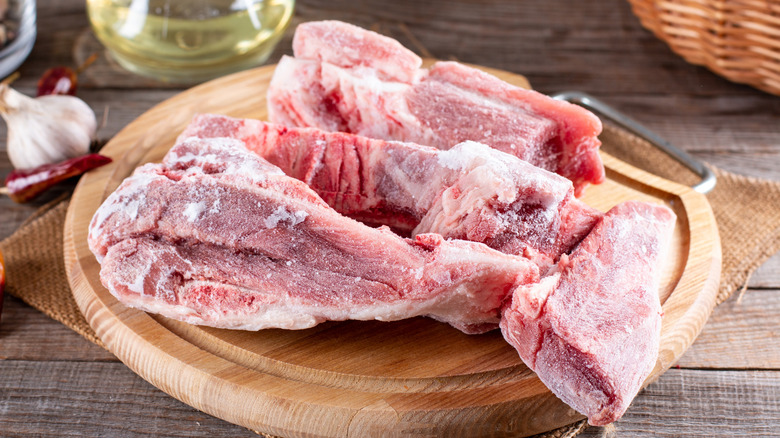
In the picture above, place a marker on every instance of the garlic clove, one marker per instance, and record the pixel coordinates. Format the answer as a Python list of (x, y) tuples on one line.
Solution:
[(47, 129)]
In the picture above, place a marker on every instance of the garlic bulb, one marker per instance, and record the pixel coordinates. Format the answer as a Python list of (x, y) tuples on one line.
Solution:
[(46, 129)]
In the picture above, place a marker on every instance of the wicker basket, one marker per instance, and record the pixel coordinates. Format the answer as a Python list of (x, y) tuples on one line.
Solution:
[(737, 39)]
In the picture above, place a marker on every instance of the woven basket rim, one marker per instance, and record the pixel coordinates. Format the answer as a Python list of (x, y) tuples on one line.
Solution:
[(736, 39)]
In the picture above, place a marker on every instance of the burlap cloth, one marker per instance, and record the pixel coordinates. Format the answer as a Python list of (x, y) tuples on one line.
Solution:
[(745, 208)]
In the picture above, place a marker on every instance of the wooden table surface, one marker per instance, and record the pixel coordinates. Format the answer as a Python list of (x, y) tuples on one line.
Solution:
[(55, 383)]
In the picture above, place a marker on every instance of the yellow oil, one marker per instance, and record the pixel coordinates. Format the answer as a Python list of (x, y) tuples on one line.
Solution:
[(188, 41)]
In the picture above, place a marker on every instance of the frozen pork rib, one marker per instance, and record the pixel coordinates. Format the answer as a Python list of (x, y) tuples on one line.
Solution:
[(470, 192), (215, 235), (344, 78), (591, 328)]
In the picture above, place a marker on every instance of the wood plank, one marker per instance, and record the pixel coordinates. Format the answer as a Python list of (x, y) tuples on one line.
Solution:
[(11, 213), (83, 401), (59, 23), (27, 334), (736, 133), (767, 275), (54, 398), (706, 404), (721, 124), (758, 165), (557, 47), (123, 110), (739, 334)]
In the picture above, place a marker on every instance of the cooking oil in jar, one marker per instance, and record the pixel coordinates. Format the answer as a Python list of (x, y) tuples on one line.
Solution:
[(188, 41)]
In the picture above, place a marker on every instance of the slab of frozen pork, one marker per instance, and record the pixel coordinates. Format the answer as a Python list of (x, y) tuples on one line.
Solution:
[(344, 78), (470, 192), (215, 235), (591, 328)]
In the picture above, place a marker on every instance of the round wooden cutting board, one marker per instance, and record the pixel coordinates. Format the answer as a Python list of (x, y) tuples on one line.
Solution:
[(413, 377)]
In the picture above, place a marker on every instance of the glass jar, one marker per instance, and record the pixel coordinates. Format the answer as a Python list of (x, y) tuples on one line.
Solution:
[(189, 41)]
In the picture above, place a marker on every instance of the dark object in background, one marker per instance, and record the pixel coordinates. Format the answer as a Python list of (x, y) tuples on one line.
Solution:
[(9, 24)]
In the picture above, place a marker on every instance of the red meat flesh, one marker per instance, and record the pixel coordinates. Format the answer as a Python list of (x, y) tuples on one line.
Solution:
[(217, 236), (344, 78), (470, 192), (591, 328)]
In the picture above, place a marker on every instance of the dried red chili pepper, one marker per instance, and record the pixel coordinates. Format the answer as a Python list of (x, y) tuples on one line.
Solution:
[(58, 80), (25, 185), (62, 80)]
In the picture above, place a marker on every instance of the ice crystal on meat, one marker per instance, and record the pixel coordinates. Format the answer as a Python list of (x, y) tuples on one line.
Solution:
[(282, 215), (194, 210)]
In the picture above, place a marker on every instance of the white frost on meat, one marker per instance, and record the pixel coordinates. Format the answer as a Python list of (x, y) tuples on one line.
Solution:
[(194, 210), (282, 215)]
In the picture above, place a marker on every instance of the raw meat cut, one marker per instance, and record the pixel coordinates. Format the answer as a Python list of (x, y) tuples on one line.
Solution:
[(470, 192), (344, 78), (216, 235), (591, 328)]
